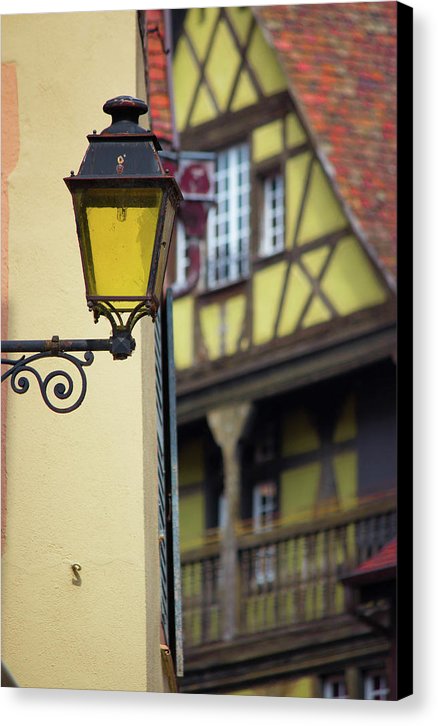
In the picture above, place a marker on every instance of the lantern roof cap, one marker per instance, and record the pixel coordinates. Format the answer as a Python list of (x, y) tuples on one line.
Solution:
[(125, 112), (122, 151)]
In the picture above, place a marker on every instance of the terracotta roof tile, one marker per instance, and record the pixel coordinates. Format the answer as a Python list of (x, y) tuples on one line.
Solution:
[(384, 559), (340, 60)]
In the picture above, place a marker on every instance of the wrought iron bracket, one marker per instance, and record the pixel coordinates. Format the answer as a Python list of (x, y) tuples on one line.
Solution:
[(59, 385)]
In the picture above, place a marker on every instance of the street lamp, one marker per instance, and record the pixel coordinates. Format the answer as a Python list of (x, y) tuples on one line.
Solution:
[(125, 205)]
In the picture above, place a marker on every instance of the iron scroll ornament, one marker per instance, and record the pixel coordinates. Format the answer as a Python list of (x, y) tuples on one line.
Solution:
[(22, 370)]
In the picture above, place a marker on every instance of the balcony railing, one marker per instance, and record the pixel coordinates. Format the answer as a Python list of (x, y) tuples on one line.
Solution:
[(287, 576)]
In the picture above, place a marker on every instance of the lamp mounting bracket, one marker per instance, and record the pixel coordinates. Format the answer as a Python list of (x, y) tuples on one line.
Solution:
[(64, 384)]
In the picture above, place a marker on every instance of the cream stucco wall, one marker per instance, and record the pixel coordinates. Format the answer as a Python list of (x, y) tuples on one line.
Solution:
[(81, 487)]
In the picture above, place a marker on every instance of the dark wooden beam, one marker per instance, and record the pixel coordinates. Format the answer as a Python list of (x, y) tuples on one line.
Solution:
[(295, 652), (235, 125), (286, 366)]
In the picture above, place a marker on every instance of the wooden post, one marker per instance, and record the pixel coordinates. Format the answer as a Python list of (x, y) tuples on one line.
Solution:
[(227, 425), (352, 679)]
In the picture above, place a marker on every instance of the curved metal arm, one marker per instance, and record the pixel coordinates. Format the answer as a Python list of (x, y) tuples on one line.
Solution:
[(58, 384), (21, 369)]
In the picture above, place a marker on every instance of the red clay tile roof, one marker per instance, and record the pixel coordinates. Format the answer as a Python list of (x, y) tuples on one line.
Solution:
[(385, 558), (158, 89), (340, 60)]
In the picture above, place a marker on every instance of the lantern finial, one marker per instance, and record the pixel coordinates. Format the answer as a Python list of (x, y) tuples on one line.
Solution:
[(125, 112)]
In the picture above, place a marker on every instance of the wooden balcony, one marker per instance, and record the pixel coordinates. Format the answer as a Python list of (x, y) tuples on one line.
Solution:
[(287, 577)]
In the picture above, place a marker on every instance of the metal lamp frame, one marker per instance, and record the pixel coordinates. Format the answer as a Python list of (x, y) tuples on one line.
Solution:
[(103, 166)]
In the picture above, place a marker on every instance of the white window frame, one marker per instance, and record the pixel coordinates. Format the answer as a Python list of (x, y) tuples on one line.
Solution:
[(263, 509), (263, 506), (272, 222), (182, 256), (328, 687), (371, 693), (229, 219)]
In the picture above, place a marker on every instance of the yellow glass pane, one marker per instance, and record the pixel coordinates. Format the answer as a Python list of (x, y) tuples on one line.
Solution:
[(118, 235), (166, 239)]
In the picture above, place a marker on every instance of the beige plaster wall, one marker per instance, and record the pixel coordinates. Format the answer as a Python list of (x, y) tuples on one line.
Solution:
[(80, 486)]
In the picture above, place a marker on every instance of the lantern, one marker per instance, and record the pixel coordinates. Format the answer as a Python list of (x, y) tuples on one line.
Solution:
[(125, 205)]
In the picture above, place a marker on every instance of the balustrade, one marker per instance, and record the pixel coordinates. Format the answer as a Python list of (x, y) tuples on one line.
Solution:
[(288, 576)]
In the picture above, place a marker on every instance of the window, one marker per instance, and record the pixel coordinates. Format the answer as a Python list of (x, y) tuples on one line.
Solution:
[(375, 686), (334, 687), (263, 507), (182, 256), (272, 230), (229, 221)]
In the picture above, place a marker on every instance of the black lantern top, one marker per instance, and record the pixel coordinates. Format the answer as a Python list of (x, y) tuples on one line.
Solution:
[(125, 111), (124, 147)]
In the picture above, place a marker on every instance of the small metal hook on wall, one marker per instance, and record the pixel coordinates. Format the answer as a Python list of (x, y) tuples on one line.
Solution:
[(76, 580)]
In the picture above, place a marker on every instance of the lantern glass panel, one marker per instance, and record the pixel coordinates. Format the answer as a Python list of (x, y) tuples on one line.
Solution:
[(169, 219), (117, 233)]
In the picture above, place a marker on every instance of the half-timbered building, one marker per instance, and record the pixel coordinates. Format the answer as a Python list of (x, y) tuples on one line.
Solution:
[(284, 330)]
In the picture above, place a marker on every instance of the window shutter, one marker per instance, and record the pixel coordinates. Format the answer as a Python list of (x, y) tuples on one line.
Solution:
[(168, 513), (162, 513)]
